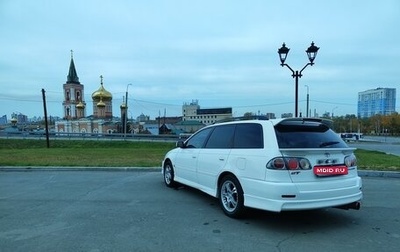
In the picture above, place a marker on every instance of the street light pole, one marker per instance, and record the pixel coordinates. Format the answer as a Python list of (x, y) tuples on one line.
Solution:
[(311, 53), (308, 99), (126, 111)]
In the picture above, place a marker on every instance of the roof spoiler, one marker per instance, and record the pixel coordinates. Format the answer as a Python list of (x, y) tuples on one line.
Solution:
[(325, 121)]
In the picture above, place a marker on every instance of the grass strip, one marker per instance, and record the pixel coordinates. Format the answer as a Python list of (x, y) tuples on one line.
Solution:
[(25, 152), (99, 153)]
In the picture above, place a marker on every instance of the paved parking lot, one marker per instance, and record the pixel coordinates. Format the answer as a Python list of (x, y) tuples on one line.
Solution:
[(134, 211)]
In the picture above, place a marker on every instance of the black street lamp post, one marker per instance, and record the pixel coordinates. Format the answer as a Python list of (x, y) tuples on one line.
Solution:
[(126, 112), (308, 100), (311, 53)]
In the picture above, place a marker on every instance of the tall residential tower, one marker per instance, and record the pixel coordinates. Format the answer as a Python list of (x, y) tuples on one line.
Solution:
[(380, 101)]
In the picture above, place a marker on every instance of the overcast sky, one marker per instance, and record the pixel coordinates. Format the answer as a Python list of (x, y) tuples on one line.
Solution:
[(222, 53)]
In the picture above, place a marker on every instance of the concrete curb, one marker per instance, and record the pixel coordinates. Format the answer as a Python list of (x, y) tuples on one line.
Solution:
[(361, 173), (383, 174), (76, 168)]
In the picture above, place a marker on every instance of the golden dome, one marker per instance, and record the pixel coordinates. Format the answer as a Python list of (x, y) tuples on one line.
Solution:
[(101, 92), (101, 103), (80, 105)]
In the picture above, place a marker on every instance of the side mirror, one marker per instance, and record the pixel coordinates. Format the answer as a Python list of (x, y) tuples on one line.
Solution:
[(180, 144)]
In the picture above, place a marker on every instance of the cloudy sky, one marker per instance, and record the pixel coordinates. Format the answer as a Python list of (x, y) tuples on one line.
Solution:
[(221, 53)]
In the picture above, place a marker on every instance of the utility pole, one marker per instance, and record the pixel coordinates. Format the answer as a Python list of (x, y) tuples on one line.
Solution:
[(45, 117)]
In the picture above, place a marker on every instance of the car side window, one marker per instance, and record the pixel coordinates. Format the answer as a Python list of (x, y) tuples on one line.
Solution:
[(198, 140), (221, 137), (249, 135)]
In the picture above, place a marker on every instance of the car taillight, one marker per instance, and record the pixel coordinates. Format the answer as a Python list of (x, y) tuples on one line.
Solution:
[(289, 163), (305, 164), (350, 161), (293, 164), (278, 163)]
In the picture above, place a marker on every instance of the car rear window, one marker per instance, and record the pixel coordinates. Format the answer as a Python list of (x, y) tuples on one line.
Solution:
[(301, 134)]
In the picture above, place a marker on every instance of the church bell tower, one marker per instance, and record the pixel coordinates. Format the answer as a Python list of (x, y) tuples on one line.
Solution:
[(74, 105)]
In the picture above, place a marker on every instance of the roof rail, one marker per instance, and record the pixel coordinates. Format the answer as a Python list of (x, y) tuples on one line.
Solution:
[(242, 118)]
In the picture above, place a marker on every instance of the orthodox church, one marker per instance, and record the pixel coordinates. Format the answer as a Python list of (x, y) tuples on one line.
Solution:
[(74, 107)]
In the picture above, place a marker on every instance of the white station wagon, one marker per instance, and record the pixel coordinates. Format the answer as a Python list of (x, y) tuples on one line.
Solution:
[(275, 165)]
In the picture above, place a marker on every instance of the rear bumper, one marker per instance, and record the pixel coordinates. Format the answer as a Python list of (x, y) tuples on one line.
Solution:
[(321, 203), (279, 197)]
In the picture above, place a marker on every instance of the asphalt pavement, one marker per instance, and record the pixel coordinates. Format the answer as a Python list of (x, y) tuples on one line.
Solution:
[(135, 211)]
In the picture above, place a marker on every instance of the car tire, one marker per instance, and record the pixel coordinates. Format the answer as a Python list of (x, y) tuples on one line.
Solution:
[(169, 174), (230, 195)]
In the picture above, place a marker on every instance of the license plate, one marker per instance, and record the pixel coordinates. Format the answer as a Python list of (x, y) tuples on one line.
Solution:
[(330, 170)]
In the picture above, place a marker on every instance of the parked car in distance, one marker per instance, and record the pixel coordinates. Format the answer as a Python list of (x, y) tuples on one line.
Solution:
[(274, 165), (351, 137)]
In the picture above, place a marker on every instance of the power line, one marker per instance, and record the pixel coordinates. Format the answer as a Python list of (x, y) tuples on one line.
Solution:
[(335, 103)]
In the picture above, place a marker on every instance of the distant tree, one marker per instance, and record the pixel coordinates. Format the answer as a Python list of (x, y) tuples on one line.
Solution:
[(376, 124), (391, 124), (326, 115), (248, 114)]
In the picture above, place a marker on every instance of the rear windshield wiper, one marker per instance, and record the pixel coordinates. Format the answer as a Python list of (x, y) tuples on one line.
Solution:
[(325, 144)]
